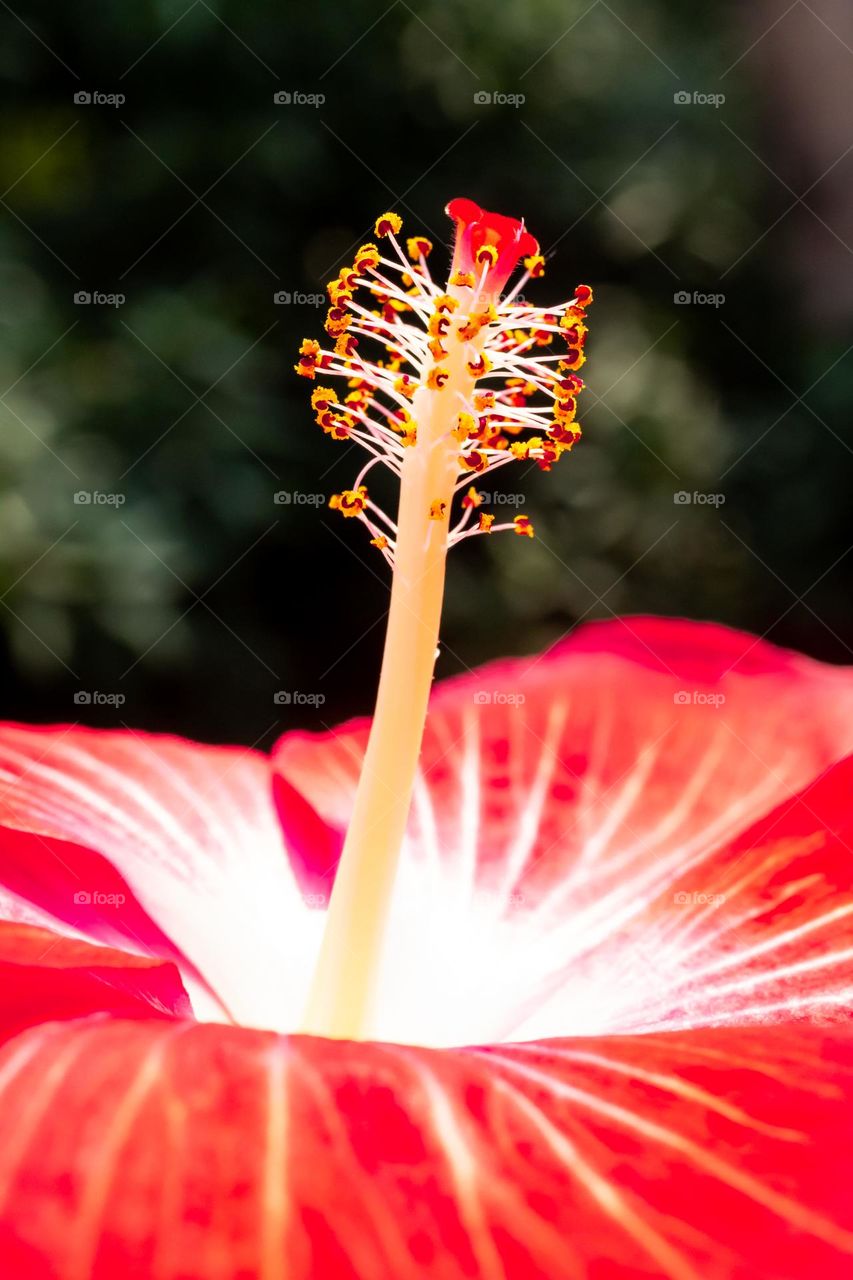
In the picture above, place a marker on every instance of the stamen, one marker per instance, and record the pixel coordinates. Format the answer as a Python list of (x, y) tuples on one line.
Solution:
[(462, 385)]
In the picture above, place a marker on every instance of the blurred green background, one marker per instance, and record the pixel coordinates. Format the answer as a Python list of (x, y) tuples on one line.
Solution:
[(199, 198)]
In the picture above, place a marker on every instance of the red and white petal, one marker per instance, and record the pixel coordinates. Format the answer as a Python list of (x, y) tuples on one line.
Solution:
[(561, 804), (153, 1151), (762, 931), (186, 834), (45, 976)]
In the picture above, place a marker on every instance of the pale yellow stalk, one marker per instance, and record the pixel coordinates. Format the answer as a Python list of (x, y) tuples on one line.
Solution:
[(342, 998)]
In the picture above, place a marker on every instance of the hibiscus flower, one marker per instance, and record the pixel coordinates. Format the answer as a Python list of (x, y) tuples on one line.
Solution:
[(542, 974), (613, 1033)]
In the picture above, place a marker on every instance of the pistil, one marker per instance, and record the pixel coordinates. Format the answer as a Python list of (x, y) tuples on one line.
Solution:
[(347, 972), (450, 432)]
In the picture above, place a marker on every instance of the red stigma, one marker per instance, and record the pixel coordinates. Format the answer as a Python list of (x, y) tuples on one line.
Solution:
[(488, 240)]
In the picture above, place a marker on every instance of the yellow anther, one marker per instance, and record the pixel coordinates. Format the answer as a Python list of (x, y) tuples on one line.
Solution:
[(485, 523), (535, 265), (564, 392), (437, 510), (322, 398), (463, 279), (345, 345), (523, 448), (387, 223), (418, 247), (466, 425), (473, 461), (565, 410), (337, 428), (479, 366), (437, 377), (337, 321), (366, 258), (310, 358), (351, 502), (573, 359), (572, 324), (523, 527), (472, 326), (486, 255), (565, 434), (338, 291), (381, 542)]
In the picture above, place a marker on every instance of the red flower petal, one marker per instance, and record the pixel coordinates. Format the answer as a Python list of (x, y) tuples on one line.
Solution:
[(151, 1152), (44, 976), (192, 831), (564, 802)]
